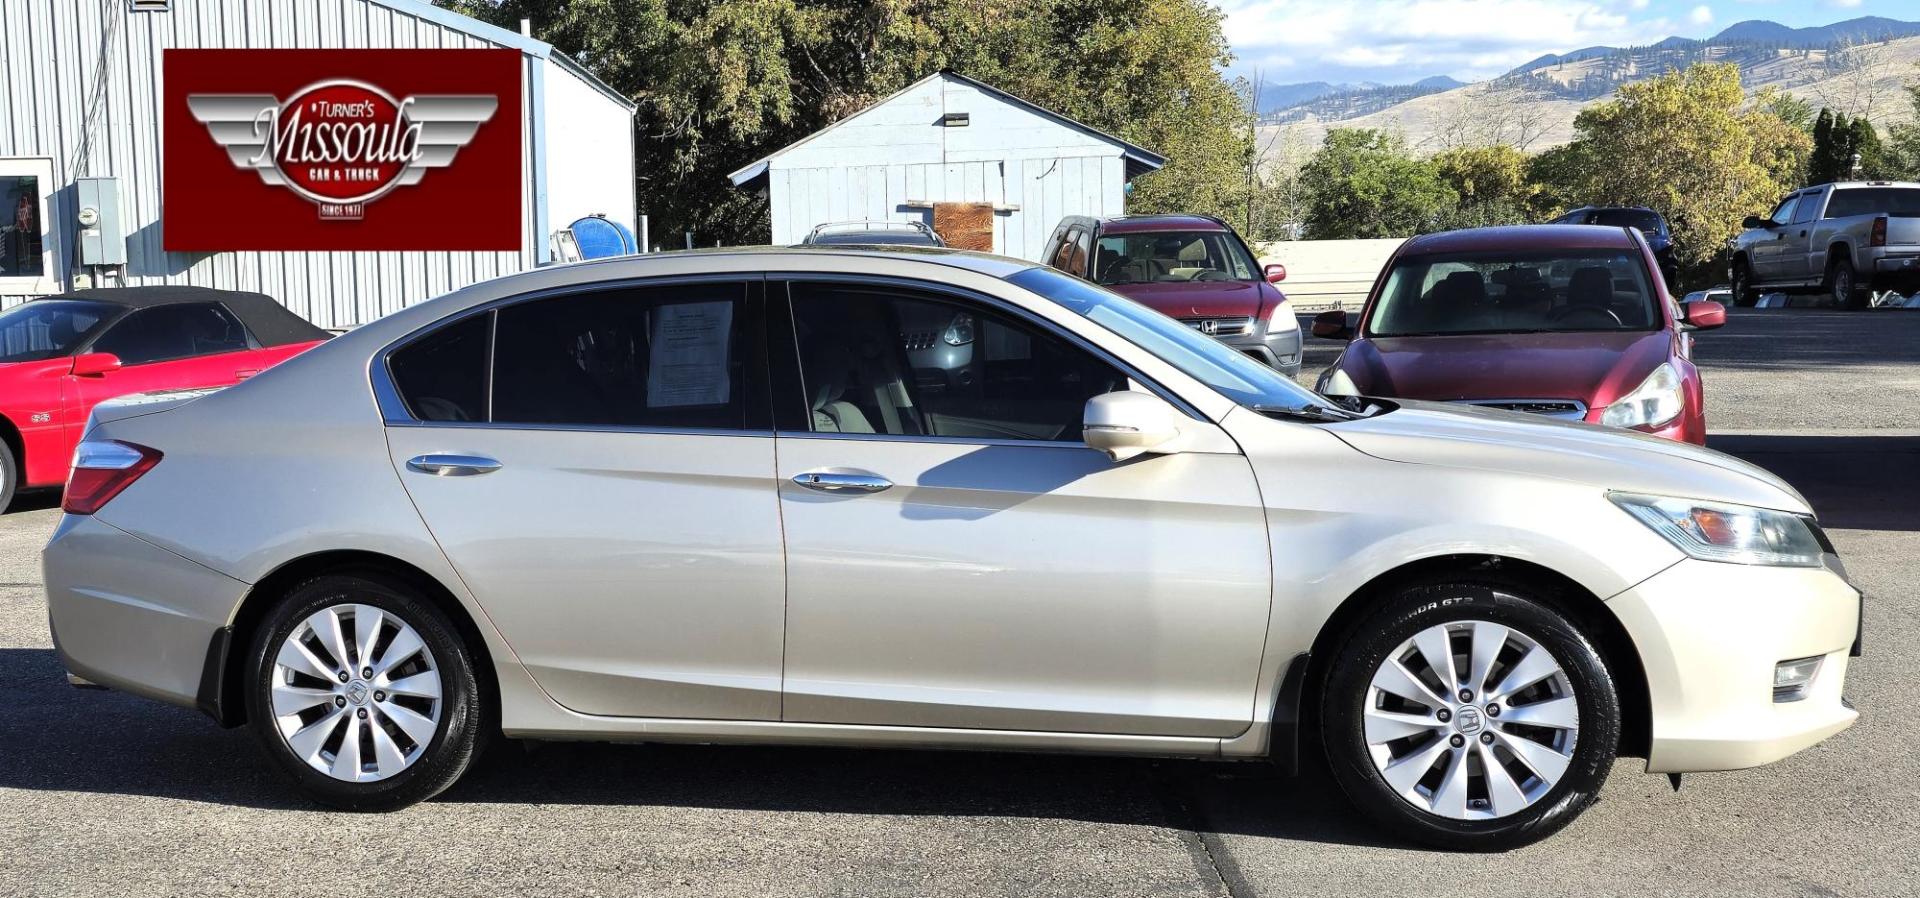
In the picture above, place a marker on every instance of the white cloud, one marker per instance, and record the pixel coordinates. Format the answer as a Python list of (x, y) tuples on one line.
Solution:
[(1844, 4), (1343, 40), (1702, 15)]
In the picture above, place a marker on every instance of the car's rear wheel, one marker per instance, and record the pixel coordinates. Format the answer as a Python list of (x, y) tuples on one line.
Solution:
[(9, 476), (1470, 716), (1843, 284), (364, 692)]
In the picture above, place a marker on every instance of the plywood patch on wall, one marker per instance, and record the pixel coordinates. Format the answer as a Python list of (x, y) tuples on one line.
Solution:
[(965, 225)]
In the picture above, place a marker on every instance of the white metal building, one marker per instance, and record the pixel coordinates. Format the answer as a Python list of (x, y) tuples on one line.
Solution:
[(950, 139), (80, 97)]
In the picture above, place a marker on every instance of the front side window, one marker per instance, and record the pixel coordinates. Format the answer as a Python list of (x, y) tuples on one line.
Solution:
[(1783, 213), (669, 356), (878, 360), (46, 329), (168, 333), (1516, 292), (1172, 257)]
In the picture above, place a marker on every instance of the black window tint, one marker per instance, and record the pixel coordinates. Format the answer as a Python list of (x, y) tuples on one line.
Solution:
[(443, 375), (875, 360), (1899, 202), (182, 331), (635, 357)]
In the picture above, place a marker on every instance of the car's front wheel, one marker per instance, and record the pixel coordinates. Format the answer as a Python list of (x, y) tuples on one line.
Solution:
[(1470, 716), (1744, 294), (364, 692)]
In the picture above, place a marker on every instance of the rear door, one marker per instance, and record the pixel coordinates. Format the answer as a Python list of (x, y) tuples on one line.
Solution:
[(598, 466), (956, 557)]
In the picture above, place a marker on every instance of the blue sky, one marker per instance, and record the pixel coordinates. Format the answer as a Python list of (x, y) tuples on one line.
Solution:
[(1398, 41)]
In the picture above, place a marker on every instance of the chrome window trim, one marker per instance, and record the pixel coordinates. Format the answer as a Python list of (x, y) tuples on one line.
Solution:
[(393, 409), (931, 438), (583, 428)]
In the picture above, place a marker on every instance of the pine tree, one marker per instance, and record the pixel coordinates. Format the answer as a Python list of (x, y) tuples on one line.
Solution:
[(1820, 166)]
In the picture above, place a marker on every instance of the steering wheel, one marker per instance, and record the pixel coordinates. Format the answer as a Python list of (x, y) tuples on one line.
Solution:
[(1584, 316), (1117, 273), (1212, 274)]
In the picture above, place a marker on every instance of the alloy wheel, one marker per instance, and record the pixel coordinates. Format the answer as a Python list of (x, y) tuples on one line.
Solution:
[(356, 693), (1471, 720)]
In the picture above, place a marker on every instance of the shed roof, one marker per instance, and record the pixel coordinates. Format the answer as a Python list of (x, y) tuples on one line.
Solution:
[(1139, 159)]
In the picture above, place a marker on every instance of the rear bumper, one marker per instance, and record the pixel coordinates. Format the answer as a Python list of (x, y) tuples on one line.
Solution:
[(1709, 635), (132, 616)]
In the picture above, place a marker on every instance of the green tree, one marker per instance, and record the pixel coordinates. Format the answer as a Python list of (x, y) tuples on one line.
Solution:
[(1686, 145), (1492, 185), (1863, 143), (1829, 136), (1903, 143), (1364, 183), (720, 83)]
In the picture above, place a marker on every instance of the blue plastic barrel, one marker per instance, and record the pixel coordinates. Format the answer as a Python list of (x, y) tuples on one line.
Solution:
[(600, 238)]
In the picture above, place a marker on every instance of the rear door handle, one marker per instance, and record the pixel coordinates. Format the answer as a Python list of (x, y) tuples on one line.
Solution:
[(453, 465), (832, 482)]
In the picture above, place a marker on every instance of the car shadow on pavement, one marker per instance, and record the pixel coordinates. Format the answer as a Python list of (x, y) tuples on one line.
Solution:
[(1854, 482), (58, 738)]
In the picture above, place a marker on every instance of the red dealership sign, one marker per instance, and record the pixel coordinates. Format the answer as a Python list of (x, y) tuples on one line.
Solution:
[(342, 150)]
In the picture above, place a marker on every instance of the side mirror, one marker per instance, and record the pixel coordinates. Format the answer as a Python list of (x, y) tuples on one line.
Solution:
[(1332, 324), (1704, 314), (1124, 424), (94, 364), (1276, 273), (1756, 223)]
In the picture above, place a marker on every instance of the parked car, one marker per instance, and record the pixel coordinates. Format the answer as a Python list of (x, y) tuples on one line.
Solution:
[(61, 356), (1649, 223), (699, 497), (1193, 268), (874, 232), (1846, 240), (1568, 321)]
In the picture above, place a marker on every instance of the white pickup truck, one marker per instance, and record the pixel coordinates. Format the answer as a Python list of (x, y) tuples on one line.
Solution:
[(1846, 240)]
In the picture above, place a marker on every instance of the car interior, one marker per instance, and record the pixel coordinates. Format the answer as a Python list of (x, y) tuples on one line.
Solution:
[(1168, 257), (1565, 293)]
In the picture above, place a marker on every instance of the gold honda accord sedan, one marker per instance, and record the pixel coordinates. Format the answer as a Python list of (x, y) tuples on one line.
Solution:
[(922, 498)]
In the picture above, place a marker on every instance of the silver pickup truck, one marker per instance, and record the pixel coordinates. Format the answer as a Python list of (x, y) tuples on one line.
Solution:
[(1845, 240)]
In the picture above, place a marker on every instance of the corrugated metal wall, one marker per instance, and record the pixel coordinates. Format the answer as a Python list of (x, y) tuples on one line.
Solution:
[(80, 82)]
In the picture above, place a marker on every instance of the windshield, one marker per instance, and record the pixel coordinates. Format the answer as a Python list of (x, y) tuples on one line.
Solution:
[(1205, 359), (1898, 202), (1495, 293), (1639, 219), (1162, 257), (46, 329)]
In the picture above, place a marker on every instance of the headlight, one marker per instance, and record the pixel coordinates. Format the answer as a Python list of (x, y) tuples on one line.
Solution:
[(1282, 319), (1737, 534), (1656, 401)]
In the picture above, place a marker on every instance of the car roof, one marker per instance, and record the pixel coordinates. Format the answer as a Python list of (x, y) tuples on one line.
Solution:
[(1520, 237), (983, 263), (270, 322), (1141, 224)]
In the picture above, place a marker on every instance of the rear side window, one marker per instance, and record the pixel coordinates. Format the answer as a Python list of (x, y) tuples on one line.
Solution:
[(670, 356), (443, 375), (1808, 208), (166, 333)]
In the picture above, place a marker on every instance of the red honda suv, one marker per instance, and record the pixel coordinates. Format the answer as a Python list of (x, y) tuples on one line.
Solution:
[(1568, 321), (1190, 267)]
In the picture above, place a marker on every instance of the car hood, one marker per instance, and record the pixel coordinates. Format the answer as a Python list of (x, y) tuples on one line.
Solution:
[(1595, 368), (1203, 299), (1459, 436)]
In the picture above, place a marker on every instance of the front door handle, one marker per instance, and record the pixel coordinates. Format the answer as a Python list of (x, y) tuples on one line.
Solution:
[(453, 465), (832, 482)]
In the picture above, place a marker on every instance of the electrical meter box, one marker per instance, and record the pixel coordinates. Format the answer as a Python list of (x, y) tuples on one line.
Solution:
[(102, 238)]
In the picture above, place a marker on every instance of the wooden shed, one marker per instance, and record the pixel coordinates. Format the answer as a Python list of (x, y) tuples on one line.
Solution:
[(983, 167)]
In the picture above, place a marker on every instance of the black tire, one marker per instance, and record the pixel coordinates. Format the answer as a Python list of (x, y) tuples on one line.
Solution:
[(9, 476), (457, 739), (1744, 295), (1843, 284), (1415, 609)]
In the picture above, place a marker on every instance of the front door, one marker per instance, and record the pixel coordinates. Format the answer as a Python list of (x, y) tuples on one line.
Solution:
[(1770, 252), (957, 558), (598, 466), (182, 346)]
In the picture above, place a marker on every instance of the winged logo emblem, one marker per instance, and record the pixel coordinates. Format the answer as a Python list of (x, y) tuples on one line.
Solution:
[(342, 144)]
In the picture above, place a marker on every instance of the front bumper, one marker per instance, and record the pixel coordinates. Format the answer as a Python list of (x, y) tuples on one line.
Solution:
[(130, 615), (1279, 351), (1709, 635)]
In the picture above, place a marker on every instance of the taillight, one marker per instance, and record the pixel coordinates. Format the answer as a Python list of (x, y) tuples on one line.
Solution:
[(1879, 231), (101, 469)]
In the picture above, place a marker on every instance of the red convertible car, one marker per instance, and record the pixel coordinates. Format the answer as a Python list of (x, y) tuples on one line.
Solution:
[(1569, 321), (62, 355)]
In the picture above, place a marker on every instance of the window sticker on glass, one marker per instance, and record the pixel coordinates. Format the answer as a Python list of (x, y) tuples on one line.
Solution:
[(689, 355)]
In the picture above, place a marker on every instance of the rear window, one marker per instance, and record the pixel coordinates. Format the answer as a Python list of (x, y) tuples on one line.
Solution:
[(1640, 219), (1900, 202)]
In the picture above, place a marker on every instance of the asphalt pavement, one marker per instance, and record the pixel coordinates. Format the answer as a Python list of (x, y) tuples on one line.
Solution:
[(102, 793)]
